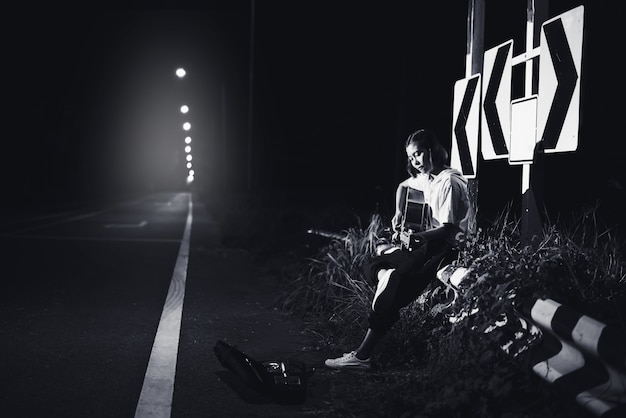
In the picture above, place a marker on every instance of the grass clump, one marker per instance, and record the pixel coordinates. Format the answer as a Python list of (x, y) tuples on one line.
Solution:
[(330, 289), (579, 263)]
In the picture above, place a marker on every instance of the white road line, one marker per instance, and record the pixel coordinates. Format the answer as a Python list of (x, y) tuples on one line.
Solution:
[(157, 392), (78, 238)]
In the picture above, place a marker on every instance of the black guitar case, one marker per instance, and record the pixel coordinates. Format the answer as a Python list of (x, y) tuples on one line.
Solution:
[(285, 381)]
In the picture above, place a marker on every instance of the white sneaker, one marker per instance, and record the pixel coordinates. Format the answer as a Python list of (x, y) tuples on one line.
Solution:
[(348, 361)]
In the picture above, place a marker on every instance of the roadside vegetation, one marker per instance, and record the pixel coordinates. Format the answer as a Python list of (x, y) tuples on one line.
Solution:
[(448, 356)]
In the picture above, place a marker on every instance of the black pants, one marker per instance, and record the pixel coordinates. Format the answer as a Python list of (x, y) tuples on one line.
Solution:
[(414, 270)]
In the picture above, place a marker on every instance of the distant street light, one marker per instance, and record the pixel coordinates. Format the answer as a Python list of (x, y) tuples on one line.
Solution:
[(184, 109)]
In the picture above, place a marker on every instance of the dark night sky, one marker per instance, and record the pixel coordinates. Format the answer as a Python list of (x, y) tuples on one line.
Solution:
[(91, 101)]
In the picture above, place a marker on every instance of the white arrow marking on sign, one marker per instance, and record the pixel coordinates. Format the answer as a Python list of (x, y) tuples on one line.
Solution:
[(465, 125), (559, 81)]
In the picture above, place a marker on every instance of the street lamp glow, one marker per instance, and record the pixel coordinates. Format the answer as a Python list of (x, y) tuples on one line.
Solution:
[(186, 126), (188, 140), (180, 72), (187, 149), (184, 109)]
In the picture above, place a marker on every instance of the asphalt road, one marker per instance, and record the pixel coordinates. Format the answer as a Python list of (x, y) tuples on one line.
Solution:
[(82, 309)]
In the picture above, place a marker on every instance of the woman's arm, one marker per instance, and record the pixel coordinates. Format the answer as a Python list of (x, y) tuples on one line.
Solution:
[(402, 194), (396, 221)]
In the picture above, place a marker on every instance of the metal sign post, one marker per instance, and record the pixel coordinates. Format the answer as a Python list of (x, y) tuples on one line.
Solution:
[(531, 185), (474, 65)]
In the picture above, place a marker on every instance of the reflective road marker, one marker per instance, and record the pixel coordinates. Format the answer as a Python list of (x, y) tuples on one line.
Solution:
[(157, 392)]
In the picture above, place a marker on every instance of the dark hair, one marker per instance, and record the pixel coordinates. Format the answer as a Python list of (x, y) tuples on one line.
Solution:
[(426, 139)]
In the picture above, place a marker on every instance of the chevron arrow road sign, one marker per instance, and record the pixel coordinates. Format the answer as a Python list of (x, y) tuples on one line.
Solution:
[(496, 102), (560, 62), (465, 125)]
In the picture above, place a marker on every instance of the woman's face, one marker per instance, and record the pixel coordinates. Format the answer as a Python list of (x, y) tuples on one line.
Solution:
[(419, 157)]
